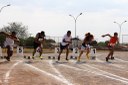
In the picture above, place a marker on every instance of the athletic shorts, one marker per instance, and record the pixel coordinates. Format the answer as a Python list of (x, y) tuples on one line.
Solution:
[(110, 47), (36, 45), (10, 47), (63, 47), (83, 48)]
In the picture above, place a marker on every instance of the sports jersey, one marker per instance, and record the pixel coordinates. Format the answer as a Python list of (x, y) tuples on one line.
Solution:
[(113, 41), (66, 38), (9, 42)]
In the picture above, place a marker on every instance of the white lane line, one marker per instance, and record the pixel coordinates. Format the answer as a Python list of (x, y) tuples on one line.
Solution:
[(46, 73), (121, 60), (107, 75), (115, 65), (9, 71), (0, 82), (56, 71), (59, 74), (122, 79), (118, 59)]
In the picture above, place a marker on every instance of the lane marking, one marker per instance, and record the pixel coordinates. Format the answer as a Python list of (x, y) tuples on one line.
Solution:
[(121, 60), (56, 71), (59, 74), (0, 82), (107, 74), (115, 65), (46, 73), (118, 59), (7, 75)]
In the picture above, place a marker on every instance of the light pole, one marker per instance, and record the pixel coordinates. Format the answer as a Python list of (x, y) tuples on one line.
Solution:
[(120, 26), (75, 18), (4, 7)]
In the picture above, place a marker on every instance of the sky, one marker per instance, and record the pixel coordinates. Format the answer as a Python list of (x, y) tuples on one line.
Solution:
[(52, 16)]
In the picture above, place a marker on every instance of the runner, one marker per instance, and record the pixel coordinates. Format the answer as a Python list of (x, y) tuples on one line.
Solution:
[(113, 40), (66, 41), (38, 44), (86, 45), (9, 43)]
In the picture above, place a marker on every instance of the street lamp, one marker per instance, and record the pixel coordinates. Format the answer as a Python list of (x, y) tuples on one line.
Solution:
[(75, 18), (4, 7), (120, 26)]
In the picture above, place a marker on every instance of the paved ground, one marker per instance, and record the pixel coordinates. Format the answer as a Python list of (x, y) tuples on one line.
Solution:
[(20, 71)]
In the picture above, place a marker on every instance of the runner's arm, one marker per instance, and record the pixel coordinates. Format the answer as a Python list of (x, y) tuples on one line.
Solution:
[(4, 33), (106, 35), (16, 39), (67, 41)]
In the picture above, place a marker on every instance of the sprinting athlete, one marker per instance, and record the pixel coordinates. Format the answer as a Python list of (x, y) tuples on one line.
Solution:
[(9, 43), (113, 40), (38, 43), (66, 41), (86, 45)]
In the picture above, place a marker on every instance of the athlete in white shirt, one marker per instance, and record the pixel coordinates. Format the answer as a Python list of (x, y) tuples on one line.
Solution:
[(67, 39), (9, 43)]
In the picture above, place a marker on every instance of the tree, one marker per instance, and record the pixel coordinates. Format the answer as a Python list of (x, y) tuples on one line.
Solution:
[(19, 28), (49, 43), (102, 44), (28, 42), (2, 39)]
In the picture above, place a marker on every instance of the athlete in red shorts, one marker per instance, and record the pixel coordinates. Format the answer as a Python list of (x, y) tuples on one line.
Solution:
[(113, 40)]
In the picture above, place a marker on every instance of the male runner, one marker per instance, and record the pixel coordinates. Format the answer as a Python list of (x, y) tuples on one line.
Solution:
[(38, 43), (66, 41), (9, 43)]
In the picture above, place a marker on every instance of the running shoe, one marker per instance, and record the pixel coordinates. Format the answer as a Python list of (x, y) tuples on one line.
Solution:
[(67, 59), (107, 59), (8, 58), (58, 58), (41, 57)]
